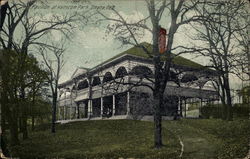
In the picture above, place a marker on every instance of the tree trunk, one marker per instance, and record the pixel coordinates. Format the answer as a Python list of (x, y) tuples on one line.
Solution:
[(9, 104), (3, 129), (32, 123), (53, 130), (157, 124), (24, 109), (12, 119), (25, 128), (4, 144), (229, 99), (223, 98), (158, 98), (32, 113), (20, 124), (224, 111), (14, 133)]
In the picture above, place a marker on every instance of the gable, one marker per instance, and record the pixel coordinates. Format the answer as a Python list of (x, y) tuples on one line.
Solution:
[(79, 71)]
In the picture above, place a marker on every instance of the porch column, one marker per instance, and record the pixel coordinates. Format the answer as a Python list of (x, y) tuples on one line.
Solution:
[(200, 108), (77, 111), (101, 106), (128, 100), (64, 113), (90, 111), (59, 113), (89, 108), (70, 111), (185, 103), (179, 105), (113, 112), (65, 108)]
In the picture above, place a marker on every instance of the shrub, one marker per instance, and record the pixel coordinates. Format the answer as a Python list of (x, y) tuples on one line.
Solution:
[(216, 111), (212, 111), (241, 110)]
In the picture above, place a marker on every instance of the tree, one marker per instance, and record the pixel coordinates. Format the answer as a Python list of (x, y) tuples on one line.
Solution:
[(36, 85), (54, 67), (3, 8), (217, 31), (130, 33), (26, 29), (40, 111), (243, 39), (34, 82), (11, 86)]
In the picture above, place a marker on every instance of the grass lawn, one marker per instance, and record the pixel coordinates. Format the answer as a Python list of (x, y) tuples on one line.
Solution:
[(212, 138), (202, 139)]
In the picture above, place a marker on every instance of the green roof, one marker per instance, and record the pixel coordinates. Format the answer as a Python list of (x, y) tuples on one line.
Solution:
[(136, 51)]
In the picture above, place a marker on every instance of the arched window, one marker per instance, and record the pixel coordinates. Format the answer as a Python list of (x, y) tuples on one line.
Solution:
[(83, 84), (173, 76), (208, 86), (96, 81), (188, 78), (141, 71), (121, 72), (107, 77), (74, 87)]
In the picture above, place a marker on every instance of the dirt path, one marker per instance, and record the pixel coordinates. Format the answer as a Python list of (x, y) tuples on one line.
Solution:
[(197, 144), (248, 155)]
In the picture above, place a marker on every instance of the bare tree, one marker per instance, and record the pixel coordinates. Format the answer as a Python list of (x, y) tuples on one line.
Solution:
[(36, 86), (33, 25), (25, 28), (218, 31), (54, 64), (243, 39), (131, 32), (11, 86)]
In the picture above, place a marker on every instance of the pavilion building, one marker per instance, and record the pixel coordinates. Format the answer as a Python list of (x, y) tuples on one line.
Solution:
[(106, 90)]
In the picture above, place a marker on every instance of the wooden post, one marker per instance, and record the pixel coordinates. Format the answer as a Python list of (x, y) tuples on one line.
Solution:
[(102, 100), (71, 105), (181, 104), (128, 101), (70, 111), (179, 107), (101, 106), (77, 111), (200, 107), (90, 111), (89, 108), (113, 112), (64, 112), (59, 112), (185, 107)]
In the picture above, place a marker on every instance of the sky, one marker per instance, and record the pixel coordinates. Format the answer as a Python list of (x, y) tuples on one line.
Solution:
[(90, 45)]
